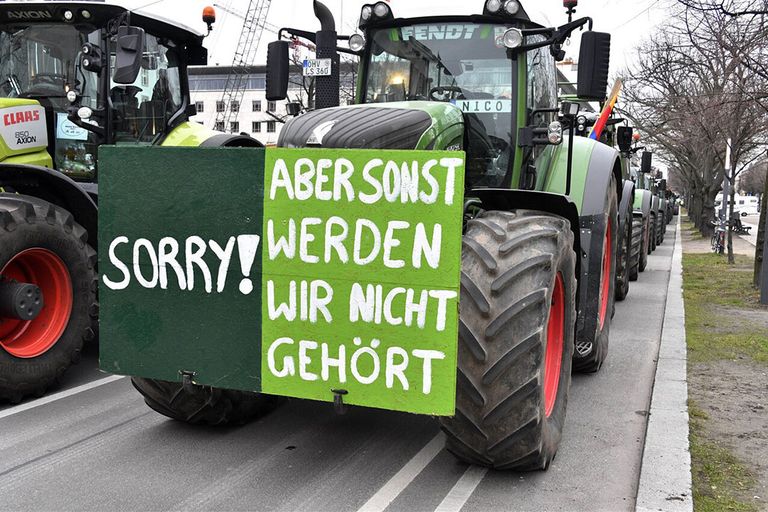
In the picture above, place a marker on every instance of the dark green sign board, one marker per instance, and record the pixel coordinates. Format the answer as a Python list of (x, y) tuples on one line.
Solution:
[(292, 272)]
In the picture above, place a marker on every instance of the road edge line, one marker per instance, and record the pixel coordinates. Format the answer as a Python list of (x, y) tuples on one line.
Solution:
[(397, 484), (58, 396), (665, 474)]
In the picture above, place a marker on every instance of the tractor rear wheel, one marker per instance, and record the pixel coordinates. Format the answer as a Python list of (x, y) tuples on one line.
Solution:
[(624, 260), (47, 265), (203, 404), (637, 247), (654, 233), (592, 340), (516, 339)]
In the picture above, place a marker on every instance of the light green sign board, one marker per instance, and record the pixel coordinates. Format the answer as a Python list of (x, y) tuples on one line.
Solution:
[(342, 271)]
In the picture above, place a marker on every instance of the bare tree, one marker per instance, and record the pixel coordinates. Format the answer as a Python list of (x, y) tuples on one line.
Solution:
[(691, 92)]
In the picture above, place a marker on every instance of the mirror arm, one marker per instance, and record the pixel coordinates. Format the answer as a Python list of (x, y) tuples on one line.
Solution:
[(297, 33), (555, 35), (74, 119)]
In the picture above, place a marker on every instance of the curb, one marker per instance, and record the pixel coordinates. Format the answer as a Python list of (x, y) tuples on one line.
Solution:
[(665, 475)]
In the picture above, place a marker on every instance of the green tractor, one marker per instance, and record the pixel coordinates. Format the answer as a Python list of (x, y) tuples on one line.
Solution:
[(541, 211), (643, 221), (74, 76)]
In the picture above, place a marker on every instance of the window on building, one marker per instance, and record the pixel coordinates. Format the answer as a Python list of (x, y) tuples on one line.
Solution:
[(234, 127), (271, 107), (271, 126), (219, 127), (219, 106), (200, 107), (235, 105), (256, 104), (256, 127)]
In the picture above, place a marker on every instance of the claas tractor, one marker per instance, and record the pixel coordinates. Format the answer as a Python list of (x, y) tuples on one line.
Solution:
[(540, 220), (74, 76)]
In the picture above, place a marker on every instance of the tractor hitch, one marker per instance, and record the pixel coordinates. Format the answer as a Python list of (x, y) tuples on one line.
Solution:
[(20, 301)]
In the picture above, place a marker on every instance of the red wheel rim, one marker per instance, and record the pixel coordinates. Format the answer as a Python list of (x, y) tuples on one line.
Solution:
[(605, 284), (41, 267), (553, 358)]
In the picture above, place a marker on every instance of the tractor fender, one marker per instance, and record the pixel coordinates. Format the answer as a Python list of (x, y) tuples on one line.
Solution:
[(643, 200), (229, 140), (603, 163), (627, 195), (557, 204), (58, 189)]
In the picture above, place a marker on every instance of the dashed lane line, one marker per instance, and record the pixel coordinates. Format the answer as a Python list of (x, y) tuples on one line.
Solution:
[(457, 497), (397, 484)]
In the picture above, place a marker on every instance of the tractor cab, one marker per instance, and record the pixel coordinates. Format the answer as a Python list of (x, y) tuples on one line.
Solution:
[(86, 74)]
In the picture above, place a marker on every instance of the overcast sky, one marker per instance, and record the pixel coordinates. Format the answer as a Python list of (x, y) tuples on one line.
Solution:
[(629, 21)]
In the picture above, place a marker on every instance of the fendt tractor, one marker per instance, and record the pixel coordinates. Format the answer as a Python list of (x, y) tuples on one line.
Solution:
[(539, 255), (643, 217), (74, 76)]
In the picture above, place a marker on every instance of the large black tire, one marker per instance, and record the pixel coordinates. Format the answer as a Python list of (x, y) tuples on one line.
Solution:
[(42, 244), (646, 244), (636, 247), (659, 229), (654, 233), (623, 260), (203, 404), (510, 264), (592, 338)]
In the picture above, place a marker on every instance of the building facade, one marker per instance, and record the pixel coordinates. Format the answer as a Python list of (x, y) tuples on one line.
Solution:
[(254, 114)]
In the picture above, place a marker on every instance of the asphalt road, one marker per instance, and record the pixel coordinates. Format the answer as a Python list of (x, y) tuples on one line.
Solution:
[(101, 448)]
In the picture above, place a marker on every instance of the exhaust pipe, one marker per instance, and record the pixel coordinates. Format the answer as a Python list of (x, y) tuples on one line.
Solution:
[(327, 88)]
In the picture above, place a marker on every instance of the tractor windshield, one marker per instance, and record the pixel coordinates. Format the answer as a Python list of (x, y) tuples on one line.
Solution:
[(462, 63), (39, 61), (467, 65)]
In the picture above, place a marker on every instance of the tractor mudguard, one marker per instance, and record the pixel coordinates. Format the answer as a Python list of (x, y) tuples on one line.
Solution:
[(229, 140), (643, 200), (604, 163), (627, 195), (56, 188), (505, 200)]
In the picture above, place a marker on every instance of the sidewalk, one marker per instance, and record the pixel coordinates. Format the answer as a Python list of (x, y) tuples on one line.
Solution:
[(665, 475)]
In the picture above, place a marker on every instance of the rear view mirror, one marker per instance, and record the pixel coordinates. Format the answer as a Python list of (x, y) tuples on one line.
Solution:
[(277, 70), (594, 59), (624, 138), (645, 166), (130, 49)]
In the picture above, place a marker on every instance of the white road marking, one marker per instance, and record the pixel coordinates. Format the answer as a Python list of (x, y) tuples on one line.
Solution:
[(58, 396), (458, 496), (405, 476)]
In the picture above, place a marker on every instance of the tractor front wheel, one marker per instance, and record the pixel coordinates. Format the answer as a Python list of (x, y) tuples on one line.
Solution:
[(593, 336), (48, 287), (624, 260), (517, 317), (645, 249), (203, 404), (636, 247)]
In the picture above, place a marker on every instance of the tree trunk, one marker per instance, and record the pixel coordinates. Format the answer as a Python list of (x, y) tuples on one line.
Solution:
[(761, 234), (732, 200)]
